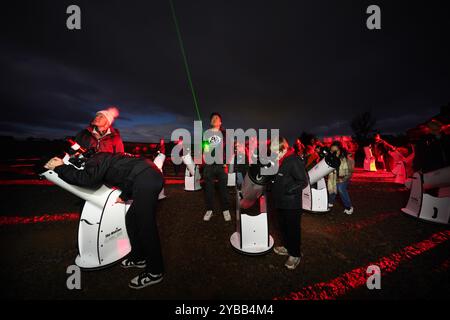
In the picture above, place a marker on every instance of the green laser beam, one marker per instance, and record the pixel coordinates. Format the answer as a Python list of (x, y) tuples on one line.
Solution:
[(186, 66)]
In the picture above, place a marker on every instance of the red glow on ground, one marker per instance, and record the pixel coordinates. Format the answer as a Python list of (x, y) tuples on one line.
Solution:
[(26, 182), (443, 267), (379, 188), (174, 181), (361, 175), (72, 216), (361, 224), (28, 159), (44, 182), (356, 278), (22, 165)]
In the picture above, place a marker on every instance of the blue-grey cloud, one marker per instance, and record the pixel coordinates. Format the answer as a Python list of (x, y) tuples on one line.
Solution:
[(294, 65)]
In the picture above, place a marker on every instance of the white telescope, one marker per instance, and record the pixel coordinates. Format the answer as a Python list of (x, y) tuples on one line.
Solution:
[(398, 166), (250, 192), (192, 174), (369, 160), (323, 168), (252, 235), (422, 205), (159, 162), (231, 181), (102, 233), (252, 231), (190, 165), (253, 186), (315, 194)]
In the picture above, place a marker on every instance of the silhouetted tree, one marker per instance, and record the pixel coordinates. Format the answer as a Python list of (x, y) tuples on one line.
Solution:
[(363, 125), (306, 138)]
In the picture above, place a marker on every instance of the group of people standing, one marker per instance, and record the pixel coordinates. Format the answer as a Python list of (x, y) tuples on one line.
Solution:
[(338, 180), (287, 185), (428, 149), (140, 180)]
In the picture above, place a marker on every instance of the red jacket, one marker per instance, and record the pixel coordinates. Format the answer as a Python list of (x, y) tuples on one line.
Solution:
[(110, 142)]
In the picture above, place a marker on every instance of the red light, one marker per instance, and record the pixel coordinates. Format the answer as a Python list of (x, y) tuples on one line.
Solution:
[(443, 267), (357, 277), (26, 182), (72, 216), (355, 226)]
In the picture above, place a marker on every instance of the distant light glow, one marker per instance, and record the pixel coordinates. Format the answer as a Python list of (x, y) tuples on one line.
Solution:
[(205, 146)]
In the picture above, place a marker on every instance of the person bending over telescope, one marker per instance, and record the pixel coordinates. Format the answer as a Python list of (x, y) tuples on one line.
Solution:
[(287, 189), (140, 180)]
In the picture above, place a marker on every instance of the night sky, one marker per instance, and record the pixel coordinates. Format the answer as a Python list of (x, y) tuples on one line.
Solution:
[(295, 65)]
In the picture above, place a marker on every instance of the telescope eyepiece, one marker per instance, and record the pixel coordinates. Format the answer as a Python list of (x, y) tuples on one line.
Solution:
[(332, 160)]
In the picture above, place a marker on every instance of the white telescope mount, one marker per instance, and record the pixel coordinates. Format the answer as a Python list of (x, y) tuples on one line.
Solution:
[(192, 174), (252, 231), (315, 194), (102, 233), (428, 206)]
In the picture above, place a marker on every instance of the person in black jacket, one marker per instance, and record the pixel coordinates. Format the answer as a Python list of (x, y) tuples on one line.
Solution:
[(140, 180), (432, 151), (287, 188), (213, 171)]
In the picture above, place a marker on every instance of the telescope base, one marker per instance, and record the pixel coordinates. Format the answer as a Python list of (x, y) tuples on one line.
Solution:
[(315, 198), (192, 190), (162, 195), (87, 267), (410, 212), (369, 165), (432, 209), (192, 183), (317, 211), (250, 250), (424, 206), (231, 180)]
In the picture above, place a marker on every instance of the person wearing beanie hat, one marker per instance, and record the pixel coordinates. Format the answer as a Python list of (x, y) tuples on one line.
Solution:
[(100, 135), (110, 114)]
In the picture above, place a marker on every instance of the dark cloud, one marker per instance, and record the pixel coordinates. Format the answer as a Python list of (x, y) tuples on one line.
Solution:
[(294, 65)]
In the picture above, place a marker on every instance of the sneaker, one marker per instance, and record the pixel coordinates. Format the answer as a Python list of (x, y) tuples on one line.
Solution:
[(145, 279), (282, 251), (128, 263), (330, 205), (348, 211), (226, 215), (292, 262), (208, 215)]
